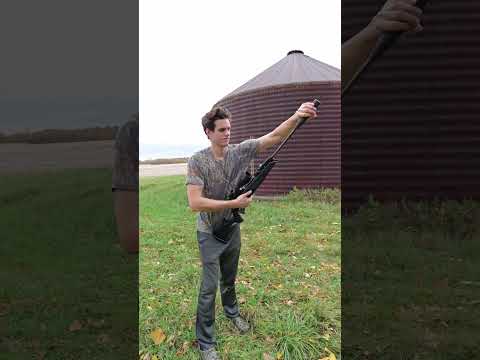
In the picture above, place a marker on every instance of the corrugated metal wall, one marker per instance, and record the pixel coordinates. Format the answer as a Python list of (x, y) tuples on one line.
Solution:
[(311, 158), (410, 125)]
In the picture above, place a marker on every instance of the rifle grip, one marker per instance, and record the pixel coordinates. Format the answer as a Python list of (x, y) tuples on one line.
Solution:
[(236, 216)]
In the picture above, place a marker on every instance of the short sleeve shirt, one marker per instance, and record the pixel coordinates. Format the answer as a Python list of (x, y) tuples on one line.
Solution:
[(219, 177), (125, 164)]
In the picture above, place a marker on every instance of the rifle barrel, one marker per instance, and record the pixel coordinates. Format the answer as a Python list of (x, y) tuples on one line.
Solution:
[(299, 123)]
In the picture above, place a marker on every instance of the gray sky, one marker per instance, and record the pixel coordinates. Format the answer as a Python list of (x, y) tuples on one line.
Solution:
[(69, 48), (192, 53)]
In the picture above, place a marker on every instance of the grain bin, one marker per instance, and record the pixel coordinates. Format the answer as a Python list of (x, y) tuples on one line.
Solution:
[(410, 125), (311, 158)]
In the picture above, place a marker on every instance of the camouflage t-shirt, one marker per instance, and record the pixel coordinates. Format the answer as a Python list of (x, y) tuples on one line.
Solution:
[(219, 177), (125, 164)]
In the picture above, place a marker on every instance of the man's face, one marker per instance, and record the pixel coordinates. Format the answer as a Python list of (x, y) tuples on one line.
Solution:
[(221, 134)]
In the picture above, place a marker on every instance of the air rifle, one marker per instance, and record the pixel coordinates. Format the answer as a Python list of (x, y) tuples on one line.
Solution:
[(252, 183)]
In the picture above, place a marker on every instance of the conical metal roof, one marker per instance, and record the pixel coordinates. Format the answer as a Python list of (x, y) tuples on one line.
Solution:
[(296, 67)]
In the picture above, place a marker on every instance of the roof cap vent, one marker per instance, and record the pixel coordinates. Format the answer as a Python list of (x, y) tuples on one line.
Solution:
[(295, 52)]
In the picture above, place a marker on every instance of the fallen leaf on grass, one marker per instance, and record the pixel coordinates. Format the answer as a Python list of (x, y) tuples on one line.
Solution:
[(331, 356), (269, 340), (103, 339), (183, 349), (4, 309), (158, 336), (96, 323), (279, 356), (75, 326), (154, 357)]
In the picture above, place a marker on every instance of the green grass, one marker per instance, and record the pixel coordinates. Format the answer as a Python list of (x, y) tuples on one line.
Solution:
[(60, 264), (288, 283), (411, 285)]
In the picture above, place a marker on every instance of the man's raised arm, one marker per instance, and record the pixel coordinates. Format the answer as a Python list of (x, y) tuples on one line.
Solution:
[(281, 132)]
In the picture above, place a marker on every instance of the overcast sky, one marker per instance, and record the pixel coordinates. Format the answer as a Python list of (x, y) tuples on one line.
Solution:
[(69, 48), (67, 64), (192, 53)]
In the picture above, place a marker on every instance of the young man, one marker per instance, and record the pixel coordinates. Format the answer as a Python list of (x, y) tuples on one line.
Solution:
[(395, 15), (212, 173)]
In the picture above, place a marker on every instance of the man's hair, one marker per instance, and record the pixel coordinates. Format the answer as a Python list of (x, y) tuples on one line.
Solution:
[(217, 113)]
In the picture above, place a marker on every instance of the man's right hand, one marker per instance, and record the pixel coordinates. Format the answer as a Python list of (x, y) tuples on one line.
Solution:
[(396, 15), (243, 200)]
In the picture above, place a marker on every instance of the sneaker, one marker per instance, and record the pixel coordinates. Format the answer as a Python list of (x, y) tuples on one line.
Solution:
[(241, 324), (209, 354)]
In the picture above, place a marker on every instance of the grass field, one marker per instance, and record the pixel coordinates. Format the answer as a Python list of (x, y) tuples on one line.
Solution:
[(411, 286), (288, 283), (67, 290)]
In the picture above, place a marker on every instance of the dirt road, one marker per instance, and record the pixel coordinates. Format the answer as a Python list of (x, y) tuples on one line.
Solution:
[(28, 158), (162, 170)]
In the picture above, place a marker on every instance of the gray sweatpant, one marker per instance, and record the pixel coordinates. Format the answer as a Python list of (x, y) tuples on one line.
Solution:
[(219, 263)]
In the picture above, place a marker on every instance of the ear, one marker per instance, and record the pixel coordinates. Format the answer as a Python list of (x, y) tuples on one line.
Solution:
[(207, 132)]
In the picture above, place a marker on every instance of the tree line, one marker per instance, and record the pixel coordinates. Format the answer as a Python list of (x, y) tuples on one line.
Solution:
[(47, 136)]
